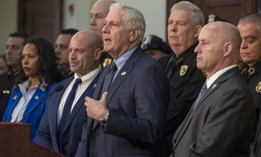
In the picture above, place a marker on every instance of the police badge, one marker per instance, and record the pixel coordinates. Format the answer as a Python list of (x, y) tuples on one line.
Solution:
[(183, 70), (106, 62)]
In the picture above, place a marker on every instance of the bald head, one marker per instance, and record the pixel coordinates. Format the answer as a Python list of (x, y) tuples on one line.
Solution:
[(84, 52), (218, 47), (226, 32), (89, 37), (99, 11)]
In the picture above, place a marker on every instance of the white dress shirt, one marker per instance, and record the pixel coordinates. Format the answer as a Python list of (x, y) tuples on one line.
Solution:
[(86, 81)]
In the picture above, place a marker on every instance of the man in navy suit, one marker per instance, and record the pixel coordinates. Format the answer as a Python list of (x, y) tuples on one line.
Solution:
[(129, 119), (84, 54)]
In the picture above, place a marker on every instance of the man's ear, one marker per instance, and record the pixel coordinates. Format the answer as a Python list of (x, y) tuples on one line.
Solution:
[(97, 53), (134, 34), (227, 49), (197, 30)]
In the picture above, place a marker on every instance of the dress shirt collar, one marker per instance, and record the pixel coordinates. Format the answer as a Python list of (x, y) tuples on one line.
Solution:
[(122, 60), (89, 76), (217, 74)]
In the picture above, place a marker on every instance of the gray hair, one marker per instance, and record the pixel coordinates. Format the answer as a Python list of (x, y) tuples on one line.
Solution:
[(252, 18), (132, 17), (196, 14)]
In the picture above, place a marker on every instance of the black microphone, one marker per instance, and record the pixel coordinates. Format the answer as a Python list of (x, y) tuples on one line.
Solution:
[(56, 89)]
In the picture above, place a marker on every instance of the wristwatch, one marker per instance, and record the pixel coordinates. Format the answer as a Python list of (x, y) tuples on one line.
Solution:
[(104, 120)]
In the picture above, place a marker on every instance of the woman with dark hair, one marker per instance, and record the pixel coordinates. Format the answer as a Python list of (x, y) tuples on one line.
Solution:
[(38, 78)]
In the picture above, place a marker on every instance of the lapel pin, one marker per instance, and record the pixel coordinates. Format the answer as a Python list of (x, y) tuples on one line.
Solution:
[(123, 73), (95, 85), (214, 86), (36, 97), (14, 97)]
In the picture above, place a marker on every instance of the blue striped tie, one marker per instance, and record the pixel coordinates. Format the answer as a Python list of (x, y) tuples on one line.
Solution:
[(201, 93)]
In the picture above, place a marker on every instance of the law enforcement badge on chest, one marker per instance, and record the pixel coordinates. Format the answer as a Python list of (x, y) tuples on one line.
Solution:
[(183, 70), (258, 87), (106, 62)]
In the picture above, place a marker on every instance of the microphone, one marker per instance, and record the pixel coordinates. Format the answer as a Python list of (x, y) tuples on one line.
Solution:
[(56, 89)]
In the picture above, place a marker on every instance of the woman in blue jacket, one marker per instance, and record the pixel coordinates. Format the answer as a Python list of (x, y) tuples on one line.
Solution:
[(37, 80)]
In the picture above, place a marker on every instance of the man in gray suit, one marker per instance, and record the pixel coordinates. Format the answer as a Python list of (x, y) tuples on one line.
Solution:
[(221, 120)]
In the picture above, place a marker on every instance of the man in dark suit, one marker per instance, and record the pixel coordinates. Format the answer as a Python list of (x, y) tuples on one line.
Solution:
[(14, 46), (184, 23), (250, 30), (129, 119), (60, 130), (221, 121)]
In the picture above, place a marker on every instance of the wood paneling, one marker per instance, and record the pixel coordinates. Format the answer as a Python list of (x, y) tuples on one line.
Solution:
[(40, 18)]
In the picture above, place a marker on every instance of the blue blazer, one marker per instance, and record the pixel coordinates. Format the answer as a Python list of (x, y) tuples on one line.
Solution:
[(35, 117), (137, 102), (47, 133)]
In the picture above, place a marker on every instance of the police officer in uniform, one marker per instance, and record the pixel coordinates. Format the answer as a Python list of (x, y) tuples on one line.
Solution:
[(250, 52), (184, 25), (14, 46)]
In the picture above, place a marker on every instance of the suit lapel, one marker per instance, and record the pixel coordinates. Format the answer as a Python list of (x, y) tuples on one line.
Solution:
[(98, 89), (119, 79), (80, 102), (216, 84), (53, 108), (123, 74)]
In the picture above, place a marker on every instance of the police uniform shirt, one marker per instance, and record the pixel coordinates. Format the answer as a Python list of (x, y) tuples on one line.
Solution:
[(6, 84), (185, 83), (253, 78)]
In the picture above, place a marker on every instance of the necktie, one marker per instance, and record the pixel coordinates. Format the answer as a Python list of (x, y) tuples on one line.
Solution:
[(67, 108), (201, 93), (108, 78)]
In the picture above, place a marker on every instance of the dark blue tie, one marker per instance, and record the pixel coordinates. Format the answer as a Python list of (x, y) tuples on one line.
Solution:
[(201, 93), (67, 109), (108, 78)]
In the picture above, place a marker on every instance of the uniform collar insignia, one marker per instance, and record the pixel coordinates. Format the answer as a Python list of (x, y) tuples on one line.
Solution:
[(6, 91), (251, 70)]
